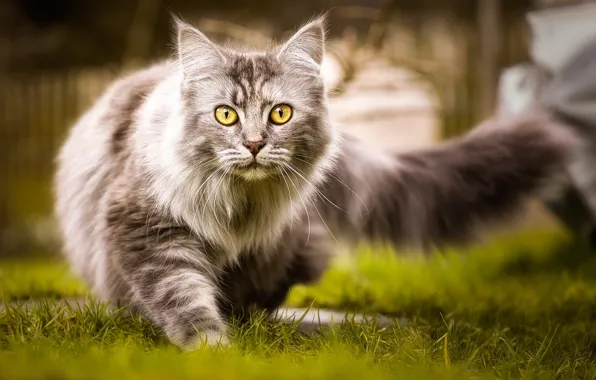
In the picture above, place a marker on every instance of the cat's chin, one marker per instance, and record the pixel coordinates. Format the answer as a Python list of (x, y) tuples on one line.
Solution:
[(254, 173)]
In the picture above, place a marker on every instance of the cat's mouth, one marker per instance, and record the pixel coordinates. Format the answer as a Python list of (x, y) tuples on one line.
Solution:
[(255, 168), (250, 165)]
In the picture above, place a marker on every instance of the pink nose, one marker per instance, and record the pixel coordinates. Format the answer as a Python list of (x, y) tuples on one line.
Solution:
[(254, 147)]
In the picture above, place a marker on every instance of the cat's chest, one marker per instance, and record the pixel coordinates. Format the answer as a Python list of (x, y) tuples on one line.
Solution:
[(247, 225)]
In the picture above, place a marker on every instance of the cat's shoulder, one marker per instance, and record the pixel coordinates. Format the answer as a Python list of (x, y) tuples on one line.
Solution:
[(124, 98)]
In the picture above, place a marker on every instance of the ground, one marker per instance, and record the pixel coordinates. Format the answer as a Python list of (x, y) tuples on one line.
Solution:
[(520, 306)]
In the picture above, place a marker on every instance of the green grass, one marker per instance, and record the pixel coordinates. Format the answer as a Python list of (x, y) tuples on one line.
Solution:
[(38, 278), (518, 307)]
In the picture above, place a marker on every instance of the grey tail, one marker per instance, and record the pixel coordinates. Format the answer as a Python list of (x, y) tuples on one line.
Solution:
[(442, 195)]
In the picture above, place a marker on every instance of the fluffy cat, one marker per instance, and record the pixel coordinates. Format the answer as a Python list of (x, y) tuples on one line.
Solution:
[(210, 184)]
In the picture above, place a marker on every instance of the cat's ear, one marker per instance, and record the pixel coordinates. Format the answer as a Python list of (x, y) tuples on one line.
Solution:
[(197, 55), (307, 46)]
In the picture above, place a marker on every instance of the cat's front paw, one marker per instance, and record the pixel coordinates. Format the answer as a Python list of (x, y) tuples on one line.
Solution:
[(204, 339)]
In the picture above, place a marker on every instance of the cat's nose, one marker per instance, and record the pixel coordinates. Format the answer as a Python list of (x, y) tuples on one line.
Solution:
[(254, 147)]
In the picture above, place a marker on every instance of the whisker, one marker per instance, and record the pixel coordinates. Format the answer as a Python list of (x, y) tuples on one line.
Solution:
[(303, 204), (197, 206), (340, 181), (290, 199), (317, 191), (317, 210), (213, 190), (207, 181), (217, 187)]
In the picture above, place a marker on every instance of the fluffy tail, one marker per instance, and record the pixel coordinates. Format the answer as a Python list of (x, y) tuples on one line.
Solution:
[(442, 195)]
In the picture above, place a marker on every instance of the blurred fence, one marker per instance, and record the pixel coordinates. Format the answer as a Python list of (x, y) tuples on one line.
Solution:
[(35, 113), (37, 109)]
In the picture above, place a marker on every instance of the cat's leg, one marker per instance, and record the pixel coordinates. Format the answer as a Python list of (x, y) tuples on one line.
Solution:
[(174, 289), (168, 273), (263, 278)]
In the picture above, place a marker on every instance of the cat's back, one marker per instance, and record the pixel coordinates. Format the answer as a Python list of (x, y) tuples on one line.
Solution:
[(92, 155)]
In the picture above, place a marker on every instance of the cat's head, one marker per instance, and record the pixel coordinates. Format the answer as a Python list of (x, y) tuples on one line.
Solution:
[(255, 115)]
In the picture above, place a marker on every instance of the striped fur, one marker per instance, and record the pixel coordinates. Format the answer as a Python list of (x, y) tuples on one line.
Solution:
[(160, 209)]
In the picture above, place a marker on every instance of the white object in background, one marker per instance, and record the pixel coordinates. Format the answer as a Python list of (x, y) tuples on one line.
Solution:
[(517, 89), (559, 33), (387, 106), (332, 71)]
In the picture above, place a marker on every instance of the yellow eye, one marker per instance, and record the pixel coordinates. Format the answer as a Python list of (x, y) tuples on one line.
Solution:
[(226, 115), (280, 114)]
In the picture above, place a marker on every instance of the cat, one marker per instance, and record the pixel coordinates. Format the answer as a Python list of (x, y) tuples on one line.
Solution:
[(209, 184)]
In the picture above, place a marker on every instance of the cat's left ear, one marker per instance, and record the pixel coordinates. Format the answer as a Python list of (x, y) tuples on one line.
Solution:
[(307, 46), (197, 55)]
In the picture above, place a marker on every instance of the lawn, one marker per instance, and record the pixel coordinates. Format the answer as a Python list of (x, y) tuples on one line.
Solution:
[(519, 306)]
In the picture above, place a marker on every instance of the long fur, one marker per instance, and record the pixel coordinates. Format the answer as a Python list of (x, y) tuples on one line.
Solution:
[(161, 208)]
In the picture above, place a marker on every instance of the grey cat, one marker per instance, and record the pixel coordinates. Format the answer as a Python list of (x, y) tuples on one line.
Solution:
[(209, 185)]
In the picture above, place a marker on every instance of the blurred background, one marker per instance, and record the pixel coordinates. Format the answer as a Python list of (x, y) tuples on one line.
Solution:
[(402, 74)]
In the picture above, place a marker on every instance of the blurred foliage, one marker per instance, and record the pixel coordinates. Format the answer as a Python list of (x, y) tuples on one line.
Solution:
[(69, 33)]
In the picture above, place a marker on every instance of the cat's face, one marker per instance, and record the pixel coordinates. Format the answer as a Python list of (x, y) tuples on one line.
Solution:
[(255, 115)]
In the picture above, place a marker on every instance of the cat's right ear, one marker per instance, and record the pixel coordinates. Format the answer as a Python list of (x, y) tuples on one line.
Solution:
[(307, 47), (197, 55)]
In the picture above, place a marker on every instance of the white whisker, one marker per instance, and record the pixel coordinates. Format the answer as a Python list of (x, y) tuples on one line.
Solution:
[(303, 204), (317, 210), (217, 188), (296, 171), (291, 201), (341, 182)]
